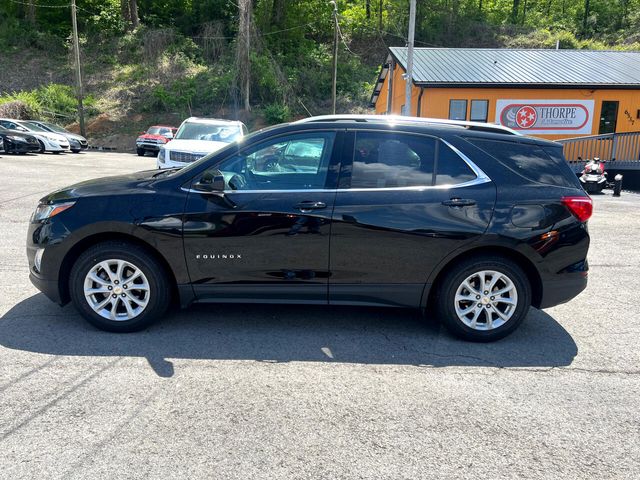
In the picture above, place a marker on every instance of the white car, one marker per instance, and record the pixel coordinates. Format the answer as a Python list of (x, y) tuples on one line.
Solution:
[(198, 137), (49, 141)]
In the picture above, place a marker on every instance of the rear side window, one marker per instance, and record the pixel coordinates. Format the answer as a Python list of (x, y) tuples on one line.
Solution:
[(391, 160), (529, 161)]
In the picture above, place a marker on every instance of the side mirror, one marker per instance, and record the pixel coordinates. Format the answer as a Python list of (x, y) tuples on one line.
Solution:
[(210, 183)]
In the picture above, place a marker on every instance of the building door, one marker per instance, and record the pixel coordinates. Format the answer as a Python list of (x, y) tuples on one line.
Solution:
[(608, 116)]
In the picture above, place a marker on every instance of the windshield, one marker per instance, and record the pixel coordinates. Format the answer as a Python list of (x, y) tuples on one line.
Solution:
[(159, 130), (32, 126), (53, 127), (209, 131)]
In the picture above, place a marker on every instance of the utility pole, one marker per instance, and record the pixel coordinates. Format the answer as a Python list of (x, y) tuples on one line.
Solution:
[(334, 79), (76, 53), (409, 74)]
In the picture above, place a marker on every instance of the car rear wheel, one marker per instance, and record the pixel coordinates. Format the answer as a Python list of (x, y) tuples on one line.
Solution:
[(484, 298), (140, 152), (119, 287), (42, 150), (75, 150)]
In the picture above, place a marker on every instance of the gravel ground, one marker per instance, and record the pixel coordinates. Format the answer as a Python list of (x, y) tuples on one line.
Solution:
[(241, 391)]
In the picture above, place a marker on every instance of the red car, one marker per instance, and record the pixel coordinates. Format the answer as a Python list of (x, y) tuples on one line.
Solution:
[(154, 138)]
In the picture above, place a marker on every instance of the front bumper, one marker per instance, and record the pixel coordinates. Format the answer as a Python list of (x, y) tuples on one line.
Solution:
[(49, 287), (149, 146), (78, 145), (12, 146)]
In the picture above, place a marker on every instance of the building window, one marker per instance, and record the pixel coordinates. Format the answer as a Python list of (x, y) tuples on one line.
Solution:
[(479, 110), (457, 110)]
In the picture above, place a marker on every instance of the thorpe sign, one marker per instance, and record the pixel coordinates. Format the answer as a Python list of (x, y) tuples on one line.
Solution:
[(550, 117)]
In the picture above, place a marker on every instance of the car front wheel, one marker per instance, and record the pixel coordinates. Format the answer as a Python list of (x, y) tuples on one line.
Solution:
[(119, 287), (140, 152), (484, 298)]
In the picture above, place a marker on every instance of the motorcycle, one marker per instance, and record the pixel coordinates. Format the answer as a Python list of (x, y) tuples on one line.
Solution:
[(594, 176)]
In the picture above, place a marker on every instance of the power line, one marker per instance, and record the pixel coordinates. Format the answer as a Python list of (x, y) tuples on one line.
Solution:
[(43, 5), (260, 34)]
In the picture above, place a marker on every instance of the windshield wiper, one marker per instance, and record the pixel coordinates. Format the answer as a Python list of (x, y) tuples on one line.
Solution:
[(165, 171)]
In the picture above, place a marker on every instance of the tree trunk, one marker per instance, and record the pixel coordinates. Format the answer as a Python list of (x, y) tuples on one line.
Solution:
[(278, 12), (524, 12), (243, 60), (133, 14), (587, 8), (126, 16), (367, 6), (31, 12), (514, 11), (380, 6)]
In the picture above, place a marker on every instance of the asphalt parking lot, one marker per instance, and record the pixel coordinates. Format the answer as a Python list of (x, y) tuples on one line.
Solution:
[(310, 392)]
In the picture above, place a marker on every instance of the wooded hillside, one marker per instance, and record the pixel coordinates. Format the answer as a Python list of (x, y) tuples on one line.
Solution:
[(171, 58)]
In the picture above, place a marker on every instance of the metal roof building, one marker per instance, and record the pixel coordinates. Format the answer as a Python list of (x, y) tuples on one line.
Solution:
[(478, 84)]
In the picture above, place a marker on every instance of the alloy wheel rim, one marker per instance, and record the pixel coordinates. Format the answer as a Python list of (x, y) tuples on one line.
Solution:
[(486, 300), (116, 290)]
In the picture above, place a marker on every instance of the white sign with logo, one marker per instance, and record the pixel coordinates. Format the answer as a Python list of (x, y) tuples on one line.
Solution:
[(551, 117)]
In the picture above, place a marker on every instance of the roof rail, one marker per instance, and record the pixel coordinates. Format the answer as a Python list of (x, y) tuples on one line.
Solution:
[(484, 127)]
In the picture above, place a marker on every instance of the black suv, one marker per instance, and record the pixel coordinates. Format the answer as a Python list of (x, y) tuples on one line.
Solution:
[(467, 220)]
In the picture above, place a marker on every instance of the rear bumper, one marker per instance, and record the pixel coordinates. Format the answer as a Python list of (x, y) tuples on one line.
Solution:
[(563, 288)]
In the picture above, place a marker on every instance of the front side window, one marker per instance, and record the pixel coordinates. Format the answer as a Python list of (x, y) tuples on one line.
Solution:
[(291, 162), (457, 110), (479, 110), (396, 160)]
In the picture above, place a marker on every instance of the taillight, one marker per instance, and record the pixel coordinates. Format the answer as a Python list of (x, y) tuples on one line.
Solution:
[(581, 207)]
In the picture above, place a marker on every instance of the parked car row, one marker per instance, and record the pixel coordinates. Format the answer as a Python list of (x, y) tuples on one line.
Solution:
[(25, 136)]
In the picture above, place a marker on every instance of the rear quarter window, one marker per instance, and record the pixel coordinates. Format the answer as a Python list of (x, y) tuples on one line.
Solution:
[(539, 164)]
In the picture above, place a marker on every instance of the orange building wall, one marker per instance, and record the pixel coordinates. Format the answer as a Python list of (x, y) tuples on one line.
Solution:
[(435, 101)]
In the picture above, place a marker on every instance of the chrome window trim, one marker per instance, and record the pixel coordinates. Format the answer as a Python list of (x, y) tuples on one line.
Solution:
[(481, 178)]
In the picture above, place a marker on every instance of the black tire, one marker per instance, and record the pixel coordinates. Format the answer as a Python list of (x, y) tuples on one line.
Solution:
[(56, 153), (159, 287), (453, 279), (42, 150), (75, 150), (141, 152)]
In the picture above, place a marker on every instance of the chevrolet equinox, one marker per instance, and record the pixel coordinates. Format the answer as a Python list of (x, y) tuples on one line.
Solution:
[(466, 220)]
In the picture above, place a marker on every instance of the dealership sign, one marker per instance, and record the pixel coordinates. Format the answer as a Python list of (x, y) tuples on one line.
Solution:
[(539, 117)]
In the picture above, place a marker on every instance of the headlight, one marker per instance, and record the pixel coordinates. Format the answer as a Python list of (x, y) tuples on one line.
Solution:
[(45, 211), (161, 154)]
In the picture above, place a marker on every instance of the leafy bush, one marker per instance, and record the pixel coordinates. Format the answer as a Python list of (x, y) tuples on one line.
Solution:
[(55, 98), (24, 103), (15, 109), (277, 113), (48, 102)]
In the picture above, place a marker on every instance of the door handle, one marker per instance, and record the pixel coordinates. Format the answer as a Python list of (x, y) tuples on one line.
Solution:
[(308, 206), (459, 202)]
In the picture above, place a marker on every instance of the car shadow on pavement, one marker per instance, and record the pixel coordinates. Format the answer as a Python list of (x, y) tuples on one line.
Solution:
[(284, 333)]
